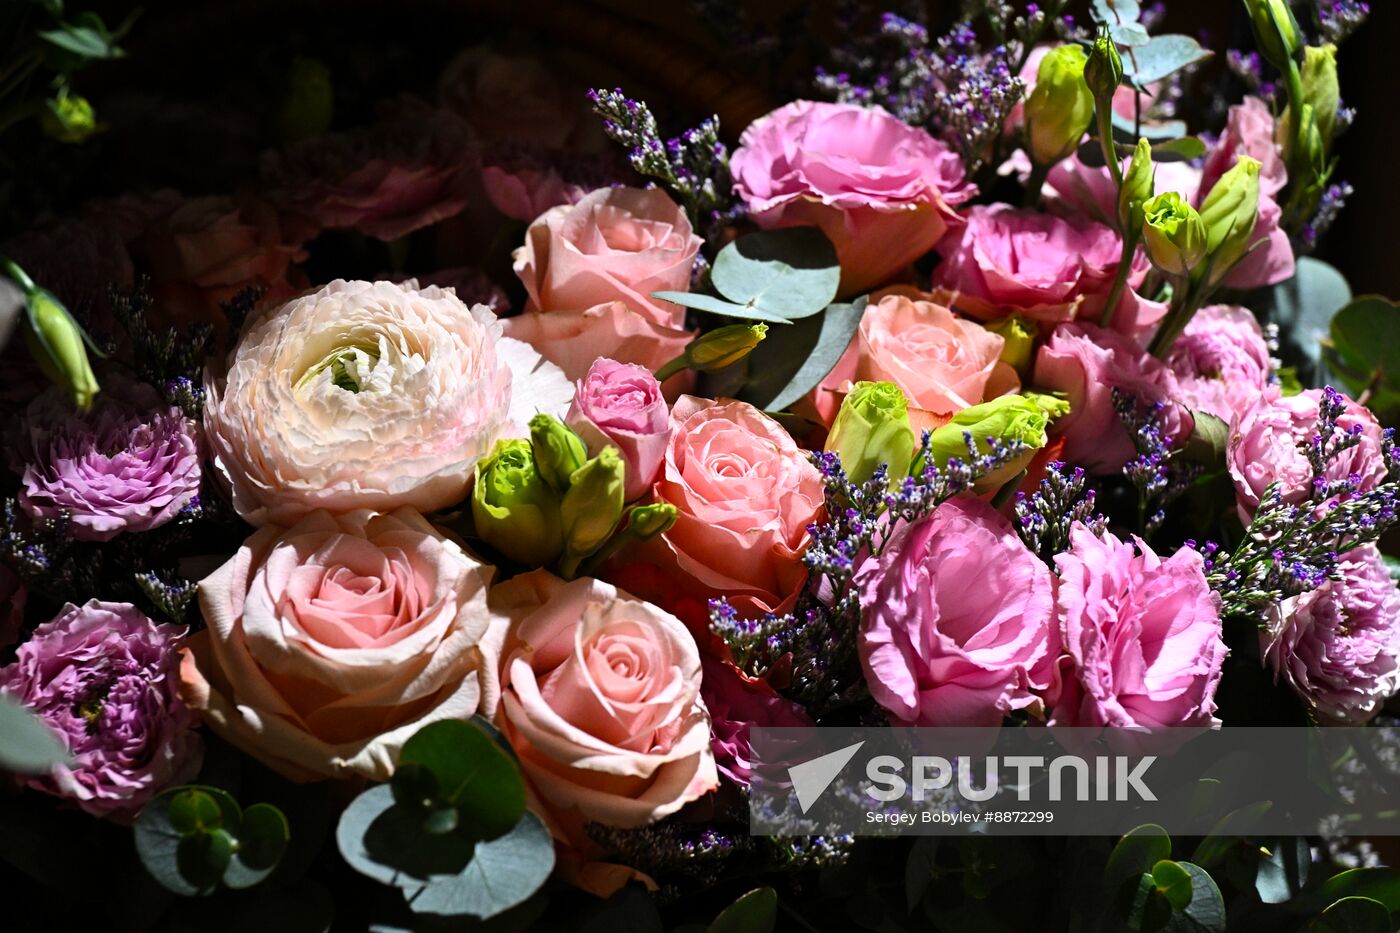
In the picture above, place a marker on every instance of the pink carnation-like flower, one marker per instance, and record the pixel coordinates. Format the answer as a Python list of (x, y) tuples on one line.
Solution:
[(131, 463), (737, 705), (1338, 646), (1087, 363), (1221, 362), (882, 191), (620, 405), (1141, 636), (1269, 443), (105, 678), (957, 627)]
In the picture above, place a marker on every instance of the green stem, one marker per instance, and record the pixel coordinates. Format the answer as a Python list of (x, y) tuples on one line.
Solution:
[(1120, 281), (568, 566), (1103, 110), (1034, 183), (1177, 318), (670, 369)]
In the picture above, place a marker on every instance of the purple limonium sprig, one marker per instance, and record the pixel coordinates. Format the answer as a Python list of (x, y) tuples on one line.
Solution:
[(1329, 206), (1063, 499), (1157, 473), (1293, 548), (1340, 18)]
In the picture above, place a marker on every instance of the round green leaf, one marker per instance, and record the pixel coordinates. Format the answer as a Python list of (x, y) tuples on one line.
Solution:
[(789, 273), (441, 820), (472, 773), (754, 912), (1162, 56), (1354, 915), (1134, 855), (792, 360), (1174, 882), (702, 302), (501, 874), (158, 842), (1379, 884), (194, 811), (1303, 307), (261, 842), (27, 744), (414, 785), (1366, 344), (202, 858), (1205, 912), (387, 842)]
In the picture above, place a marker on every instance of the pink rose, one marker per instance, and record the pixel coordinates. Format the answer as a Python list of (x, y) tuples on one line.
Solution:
[(940, 361), (745, 494), (601, 701), (331, 642), (882, 191), (385, 180), (615, 244), (517, 98), (620, 404), (1338, 646), (525, 193), (957, 627), (738, 704), (1269, 443), (1045, 267), (1221, 362), (1087, 363), (1141, 635)]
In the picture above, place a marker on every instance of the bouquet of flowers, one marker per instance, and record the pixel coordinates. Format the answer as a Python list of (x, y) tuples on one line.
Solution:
[(975, 391)]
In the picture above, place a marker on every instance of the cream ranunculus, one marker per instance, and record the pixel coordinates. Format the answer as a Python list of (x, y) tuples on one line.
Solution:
[(331, 642), (369, 395)]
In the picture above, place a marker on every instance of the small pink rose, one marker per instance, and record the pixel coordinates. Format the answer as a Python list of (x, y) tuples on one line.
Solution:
[(620, 404)]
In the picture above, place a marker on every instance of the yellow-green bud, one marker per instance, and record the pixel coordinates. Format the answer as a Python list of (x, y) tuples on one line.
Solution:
[(1019, 335), (1008, 418), (593, 505), (558, 451), (1138, 183), (1060, 107), (68, 118), (1173, 233), (1229, 213), (1321, 89), (1103, 72), (723, 346), (57, 342), (1275, 31), (514, 509), (647, 521), (872, 428), (308, 100)]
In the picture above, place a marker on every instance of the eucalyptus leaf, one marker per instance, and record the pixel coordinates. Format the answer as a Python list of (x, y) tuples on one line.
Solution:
[(713, 305), (202, 858), (82, 41), (1366, 342), (1130, 34), (386, 841), (1355, 915), (754, 912), (261, 841), (1183, 149), (1174, 882), (473, 775), (27, 744), (1205, 912), (1380, 884), (1115, 11), (1134, 855), (792, 360), (1303, 308), (782, 274), (1163, 56), (502, 873), (1127, 131)]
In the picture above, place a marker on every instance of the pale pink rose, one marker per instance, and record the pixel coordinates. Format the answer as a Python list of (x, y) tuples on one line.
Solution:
[(745, 494), (331, 642), (620, 405), (1338, 646), (1141, 636), (957, 622), (1087, 363), (882, 191), (601, 700), (1221, 362), (738, 704), (615, 244), (1269, 443), (572, 340), (940, 361), (369, 395), (518, 98), (526, 193)]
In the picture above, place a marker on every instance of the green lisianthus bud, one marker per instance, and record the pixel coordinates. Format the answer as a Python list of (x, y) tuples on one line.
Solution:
[(872, 428), (1321, 89), (1060, 107), (1103, 72), (514, 509), (593, 505), (1138, 183), (1174, 234), (647, 521), (68, 118), (1018, 335), (1020, 418), (723, 346), (558, 451), (1275, 30), (1229, 213), (308, 100)]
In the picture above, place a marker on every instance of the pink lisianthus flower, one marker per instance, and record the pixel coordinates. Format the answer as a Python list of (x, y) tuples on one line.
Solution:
[(1338, 646), (1221, 362), (620, 404), (1141, 636), (882, 191), (106, 679), (736, 706)]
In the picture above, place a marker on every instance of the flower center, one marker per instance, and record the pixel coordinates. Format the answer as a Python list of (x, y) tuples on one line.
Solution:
[(349, 367)]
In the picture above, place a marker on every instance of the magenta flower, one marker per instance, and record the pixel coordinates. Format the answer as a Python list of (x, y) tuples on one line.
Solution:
[(621, 404), (129, 464), (1338, 646), (737, 705), (106, 678), (1141, 636)]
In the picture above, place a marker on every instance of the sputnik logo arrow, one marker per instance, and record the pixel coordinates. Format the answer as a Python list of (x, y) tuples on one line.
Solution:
[(811, 778)]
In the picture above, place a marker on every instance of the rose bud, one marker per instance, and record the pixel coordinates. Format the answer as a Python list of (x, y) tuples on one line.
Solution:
[(1173, 233), (515, 510), (1058, 111), (1229, 213), (1138, 184), (1008, 418), (55, 340), (68, 118), (621, 405), (1275, 31), (721, 347), (872, 428), (592, 507), (1103, 72), (558, 451)]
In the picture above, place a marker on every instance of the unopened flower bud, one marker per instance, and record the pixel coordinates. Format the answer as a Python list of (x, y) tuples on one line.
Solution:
[(1060, 107), (1103, 72), (1018, 336), (1321, 89), (1137, 183), (724, 346), (68, 118), (1275, 30), (1173, 233), (593, 505), (647, 521), (558, 451), (1008, 419), (56, 341), (1229, 213), (514, 509), (872, 428)]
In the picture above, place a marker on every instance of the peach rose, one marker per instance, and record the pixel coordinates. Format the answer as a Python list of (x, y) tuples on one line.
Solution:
[(331, 642), (601, 701), (615, 244), (940, 361), (573, 340)]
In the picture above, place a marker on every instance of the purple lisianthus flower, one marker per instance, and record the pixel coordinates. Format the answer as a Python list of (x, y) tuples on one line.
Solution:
[(131, 463), (1338, 646), (736, 705), (106, 679)]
